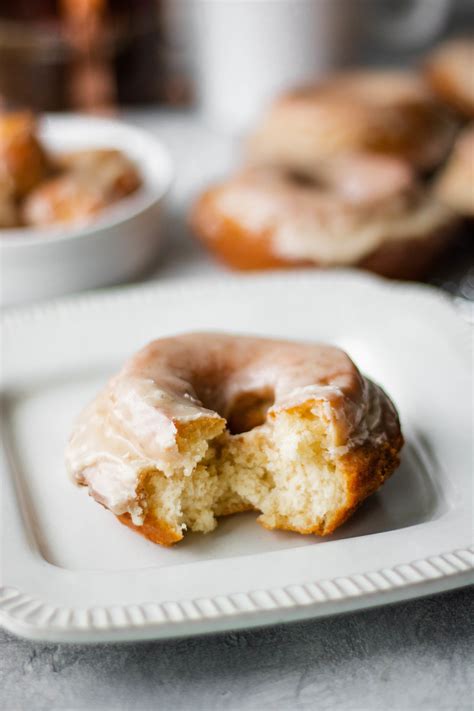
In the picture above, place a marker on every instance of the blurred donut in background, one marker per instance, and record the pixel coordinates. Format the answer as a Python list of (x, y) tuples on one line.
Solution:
[(380, 111), (455, 184), (361, 210), (450, 72)]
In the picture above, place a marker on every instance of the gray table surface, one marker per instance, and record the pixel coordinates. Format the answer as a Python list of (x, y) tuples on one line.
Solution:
[(416, 655)]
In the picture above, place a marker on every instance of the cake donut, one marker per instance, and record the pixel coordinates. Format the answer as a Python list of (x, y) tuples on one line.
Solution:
[(23, 163), (199, 426), (450, 72), (93, 179), (380, 111), (455, 184), (361, 210)]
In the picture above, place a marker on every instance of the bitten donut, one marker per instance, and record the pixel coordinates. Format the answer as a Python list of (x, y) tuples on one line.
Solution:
[(93, 179), (203, 425), (23, 163), (455, 184), (360, 210), (450, 73), (388, 112)]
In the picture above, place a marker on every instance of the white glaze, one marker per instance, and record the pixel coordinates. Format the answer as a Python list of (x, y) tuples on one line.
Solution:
[(336, 224)]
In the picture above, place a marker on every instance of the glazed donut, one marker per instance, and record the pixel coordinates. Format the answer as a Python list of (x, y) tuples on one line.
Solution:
[(203, 425), (455, 184), (387, 112), (22, 160), (450, 72), (362, 210), (94, 179)]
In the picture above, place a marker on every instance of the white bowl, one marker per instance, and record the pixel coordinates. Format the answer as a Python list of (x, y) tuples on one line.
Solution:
[(120, 243)]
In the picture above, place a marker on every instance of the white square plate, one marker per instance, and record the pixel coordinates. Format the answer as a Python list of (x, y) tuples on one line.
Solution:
[(70, 572)]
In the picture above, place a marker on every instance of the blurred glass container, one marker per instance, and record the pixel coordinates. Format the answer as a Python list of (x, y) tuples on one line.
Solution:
[(34, 61), (139, 45), (151, 58)]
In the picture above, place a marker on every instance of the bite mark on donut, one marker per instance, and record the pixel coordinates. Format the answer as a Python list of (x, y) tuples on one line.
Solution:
[(286, 468), (249, 410)]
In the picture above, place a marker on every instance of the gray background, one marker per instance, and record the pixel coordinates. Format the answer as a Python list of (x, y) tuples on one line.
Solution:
[(416, 655)]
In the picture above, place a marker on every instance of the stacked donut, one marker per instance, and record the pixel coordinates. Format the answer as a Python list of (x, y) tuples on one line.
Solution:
[(450, 72), (359, 170)]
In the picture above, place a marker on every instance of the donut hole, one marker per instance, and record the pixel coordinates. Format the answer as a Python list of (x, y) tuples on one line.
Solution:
[(249, 410)]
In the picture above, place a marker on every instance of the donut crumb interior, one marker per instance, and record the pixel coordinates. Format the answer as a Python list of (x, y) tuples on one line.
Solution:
[(282, 465)]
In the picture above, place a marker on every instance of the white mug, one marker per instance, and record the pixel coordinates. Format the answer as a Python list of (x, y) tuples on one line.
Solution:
[(247, 51)]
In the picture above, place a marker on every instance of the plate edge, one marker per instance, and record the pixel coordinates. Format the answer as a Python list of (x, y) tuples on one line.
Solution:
[(20, 608)]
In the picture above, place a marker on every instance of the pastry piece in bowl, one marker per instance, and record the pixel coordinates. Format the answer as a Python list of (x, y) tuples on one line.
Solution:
[(23, 161), (90, 181)]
